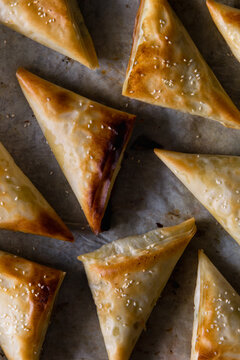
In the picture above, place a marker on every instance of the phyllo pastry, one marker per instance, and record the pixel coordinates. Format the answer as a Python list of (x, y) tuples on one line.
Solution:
[(227, 20), (27, 294), (166, 68), (216, 327), (22, 207), (87, 138), (126, 278), (214, 180), (57, 24)]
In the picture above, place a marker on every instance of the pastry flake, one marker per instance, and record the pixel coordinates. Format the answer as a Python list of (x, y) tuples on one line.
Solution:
[(57, 24), (22, 207), (126, 278), (214, 180), (87, 138), (227, 20), (166, 68), (216, 328), (27, 294)]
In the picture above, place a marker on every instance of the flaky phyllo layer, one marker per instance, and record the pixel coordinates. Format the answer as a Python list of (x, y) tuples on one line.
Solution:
[(216, 328), (27, 294), (22, 207), (87, 138), (56, 24), (214, 180), (126, 278), (166, 68)]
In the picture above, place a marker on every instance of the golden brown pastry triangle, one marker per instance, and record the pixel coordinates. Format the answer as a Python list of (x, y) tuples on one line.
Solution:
[(22, 207), (57, 24), (87, 138), (216, 328), (227, 20), (27, 294), (126, 278), (166, 68), (214, 180)]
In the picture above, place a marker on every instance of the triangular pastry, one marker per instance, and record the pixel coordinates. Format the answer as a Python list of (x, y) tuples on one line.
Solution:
[(87, 138), (214, 180), (227, 20), (22, 207), (27, 294), (126, 278), (216, 327), (166, 68), (57, 24)]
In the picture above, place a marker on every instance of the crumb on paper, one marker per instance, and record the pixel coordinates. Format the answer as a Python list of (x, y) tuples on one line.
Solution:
[(26, 123)]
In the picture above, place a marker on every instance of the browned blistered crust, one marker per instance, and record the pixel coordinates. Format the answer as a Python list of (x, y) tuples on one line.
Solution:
[(126, 278), (44, 224), (41, 280), (213, 180), (166, 68), (113, 149), (217, 318), (25, 209), (145, 260), (107, 146), (57, 24)]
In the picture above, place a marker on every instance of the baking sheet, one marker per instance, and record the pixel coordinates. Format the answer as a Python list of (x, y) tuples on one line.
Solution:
[(145, 192)]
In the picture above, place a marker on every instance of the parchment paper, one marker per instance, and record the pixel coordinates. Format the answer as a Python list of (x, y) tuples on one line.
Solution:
[(145, 192)]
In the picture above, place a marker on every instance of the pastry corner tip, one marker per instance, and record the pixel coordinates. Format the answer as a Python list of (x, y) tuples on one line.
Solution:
[(192, 221), (92, 65), (70, 238), (210, 2), (201, 253), (157, 151), (20, 71), (23, 75), (161, 153), (191, 225)]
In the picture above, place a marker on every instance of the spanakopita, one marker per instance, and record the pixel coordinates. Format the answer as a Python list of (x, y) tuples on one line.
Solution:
[(57, 24), (166, 68), (87, 138), (126, 278), (227, 20), (22, 207), (214, 180), (216, 328), (27, 294)]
